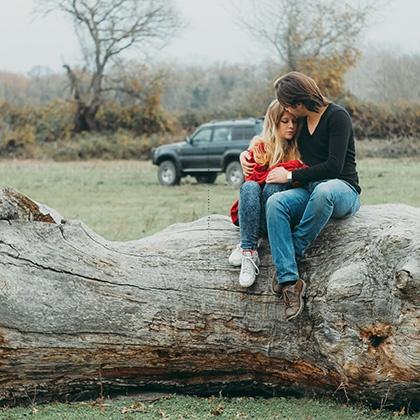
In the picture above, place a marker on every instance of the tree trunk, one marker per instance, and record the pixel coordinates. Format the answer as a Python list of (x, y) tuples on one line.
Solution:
[(85, 117), (80, 314)]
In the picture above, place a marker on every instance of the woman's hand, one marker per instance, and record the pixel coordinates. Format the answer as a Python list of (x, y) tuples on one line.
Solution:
[(277, 176), (246, 166)]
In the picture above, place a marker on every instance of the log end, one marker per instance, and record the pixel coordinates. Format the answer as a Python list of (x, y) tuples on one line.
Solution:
[(17, 206)]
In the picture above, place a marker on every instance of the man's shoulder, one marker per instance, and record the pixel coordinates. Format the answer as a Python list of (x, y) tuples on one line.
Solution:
[(338, 113), (334, 108)]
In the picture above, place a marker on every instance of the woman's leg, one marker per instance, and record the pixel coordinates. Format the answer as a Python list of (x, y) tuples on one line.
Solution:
[(249, 214), (267, 192), (249, 223)]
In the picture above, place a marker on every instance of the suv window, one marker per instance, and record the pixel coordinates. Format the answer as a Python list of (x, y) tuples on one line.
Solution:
[(250, 132), (221, 134), (203, 136), (243, 133)]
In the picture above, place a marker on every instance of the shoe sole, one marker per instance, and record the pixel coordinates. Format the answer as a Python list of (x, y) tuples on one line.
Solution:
[(274, 278), (301, 304), (245, 287), (234, 264)]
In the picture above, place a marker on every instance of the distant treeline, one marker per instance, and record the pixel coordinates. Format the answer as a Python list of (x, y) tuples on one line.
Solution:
[(163, 104)]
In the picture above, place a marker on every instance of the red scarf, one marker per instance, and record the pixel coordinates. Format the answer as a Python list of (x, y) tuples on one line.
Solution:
[(259, 174)]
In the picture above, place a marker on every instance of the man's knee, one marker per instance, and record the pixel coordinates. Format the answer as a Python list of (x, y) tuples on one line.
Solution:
[(271, 201), (270, 189), (323, 193), (276, 202)]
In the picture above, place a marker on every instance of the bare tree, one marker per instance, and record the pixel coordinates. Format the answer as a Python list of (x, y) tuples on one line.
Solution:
[(106, 29), (386, 75), (310, 34)]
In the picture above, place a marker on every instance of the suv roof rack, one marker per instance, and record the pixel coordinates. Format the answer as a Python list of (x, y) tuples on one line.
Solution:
[(234, 120)]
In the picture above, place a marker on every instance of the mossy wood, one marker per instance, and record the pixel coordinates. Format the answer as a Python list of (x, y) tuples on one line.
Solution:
[(80, 315)]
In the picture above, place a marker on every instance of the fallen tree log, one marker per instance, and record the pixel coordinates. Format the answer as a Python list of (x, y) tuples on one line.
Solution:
[(81, 315)]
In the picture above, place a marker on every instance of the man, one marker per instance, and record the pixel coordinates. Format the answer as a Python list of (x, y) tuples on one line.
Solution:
[(328, 188)]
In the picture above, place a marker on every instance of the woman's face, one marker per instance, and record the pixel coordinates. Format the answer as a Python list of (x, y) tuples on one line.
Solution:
[(288, 125)]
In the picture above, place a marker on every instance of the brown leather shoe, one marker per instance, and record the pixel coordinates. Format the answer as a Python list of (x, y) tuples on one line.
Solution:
[(293, 299), (275, 285)]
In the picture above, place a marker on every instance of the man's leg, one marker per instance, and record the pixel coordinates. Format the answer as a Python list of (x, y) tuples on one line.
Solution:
[(267, 191), (330, 198), (283, 210)]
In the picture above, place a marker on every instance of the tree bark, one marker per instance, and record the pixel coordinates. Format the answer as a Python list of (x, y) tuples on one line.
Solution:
[(81, 315)]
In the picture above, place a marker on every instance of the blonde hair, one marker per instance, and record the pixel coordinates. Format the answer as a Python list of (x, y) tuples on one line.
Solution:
[(269, 148)]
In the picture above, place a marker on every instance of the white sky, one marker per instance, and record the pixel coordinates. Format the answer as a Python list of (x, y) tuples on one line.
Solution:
[(212, 35)]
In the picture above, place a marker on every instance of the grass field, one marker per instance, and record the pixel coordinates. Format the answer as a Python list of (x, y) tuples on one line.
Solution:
[(187, 407), (122, 200)]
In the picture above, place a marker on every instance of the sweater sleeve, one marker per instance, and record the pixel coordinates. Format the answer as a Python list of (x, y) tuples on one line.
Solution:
[(339, 134)]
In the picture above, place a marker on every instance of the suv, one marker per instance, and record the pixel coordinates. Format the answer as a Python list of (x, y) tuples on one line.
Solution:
[(213, 148)]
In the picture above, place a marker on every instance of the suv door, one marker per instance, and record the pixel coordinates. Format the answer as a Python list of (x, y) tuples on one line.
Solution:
[(221, 141), (193, 155)]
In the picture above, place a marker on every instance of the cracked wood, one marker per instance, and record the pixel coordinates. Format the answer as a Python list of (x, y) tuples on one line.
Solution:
[(79, 313)]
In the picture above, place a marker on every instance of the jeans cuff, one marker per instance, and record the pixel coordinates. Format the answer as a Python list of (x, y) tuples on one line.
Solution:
[(287, 278), (249, 245)]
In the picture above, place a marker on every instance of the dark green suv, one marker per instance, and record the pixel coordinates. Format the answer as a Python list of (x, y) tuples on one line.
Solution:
[(212, 149)]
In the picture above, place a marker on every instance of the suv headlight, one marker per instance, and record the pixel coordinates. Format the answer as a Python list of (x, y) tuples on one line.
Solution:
[(154, 153)]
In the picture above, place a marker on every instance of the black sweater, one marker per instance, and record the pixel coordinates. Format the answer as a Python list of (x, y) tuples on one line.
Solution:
[(329, 151)]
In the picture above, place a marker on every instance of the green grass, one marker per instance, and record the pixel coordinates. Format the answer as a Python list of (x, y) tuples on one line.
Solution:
[(122, 200), (390, 181), (188, 407)]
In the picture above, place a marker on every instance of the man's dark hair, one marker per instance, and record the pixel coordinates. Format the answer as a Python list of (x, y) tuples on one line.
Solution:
[(294, 87)]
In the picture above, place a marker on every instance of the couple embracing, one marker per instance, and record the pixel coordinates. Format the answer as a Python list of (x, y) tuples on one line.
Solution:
[(299, 173)]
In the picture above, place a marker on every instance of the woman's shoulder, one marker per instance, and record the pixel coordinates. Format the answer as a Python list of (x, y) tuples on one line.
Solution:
[(257, 143)]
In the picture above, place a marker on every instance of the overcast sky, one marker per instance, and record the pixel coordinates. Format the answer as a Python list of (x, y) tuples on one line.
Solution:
[(211, 35)]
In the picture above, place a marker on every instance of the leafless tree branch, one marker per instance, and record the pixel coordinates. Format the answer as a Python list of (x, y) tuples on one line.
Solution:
[(106, 29)]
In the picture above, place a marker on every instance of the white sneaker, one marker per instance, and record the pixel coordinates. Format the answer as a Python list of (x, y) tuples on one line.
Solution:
[(235, 257), (249, 268)]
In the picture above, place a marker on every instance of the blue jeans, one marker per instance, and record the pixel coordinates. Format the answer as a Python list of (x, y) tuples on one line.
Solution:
[(252, 200), (296, 217)]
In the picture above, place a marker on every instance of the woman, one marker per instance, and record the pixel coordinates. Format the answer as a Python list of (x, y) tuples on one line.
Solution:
[(276, 147)]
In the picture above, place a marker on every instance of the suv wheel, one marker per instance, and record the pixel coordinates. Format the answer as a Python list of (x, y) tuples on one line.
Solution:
[(168, 174), (206, 178), (234, 174)]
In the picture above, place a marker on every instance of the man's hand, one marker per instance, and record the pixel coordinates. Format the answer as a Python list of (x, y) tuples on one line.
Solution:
[(277, 176), (246, 166)]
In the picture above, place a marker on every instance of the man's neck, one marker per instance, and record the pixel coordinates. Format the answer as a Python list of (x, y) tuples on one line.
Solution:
[(316, 116)]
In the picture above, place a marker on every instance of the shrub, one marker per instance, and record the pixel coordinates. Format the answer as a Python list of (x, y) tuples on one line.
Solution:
[(130, 132), (382, 121), (18, 143), (139, 120), (119, 145)]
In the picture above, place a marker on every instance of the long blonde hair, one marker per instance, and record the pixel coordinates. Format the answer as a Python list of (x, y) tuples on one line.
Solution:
[(269, 148)]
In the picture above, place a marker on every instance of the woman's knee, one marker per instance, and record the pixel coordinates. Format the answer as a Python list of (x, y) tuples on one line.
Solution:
[(250, 186)]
